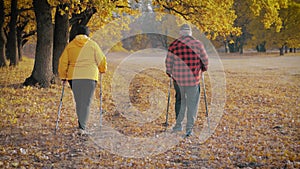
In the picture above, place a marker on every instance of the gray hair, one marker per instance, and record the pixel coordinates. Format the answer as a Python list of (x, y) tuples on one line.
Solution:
[(185, 32)]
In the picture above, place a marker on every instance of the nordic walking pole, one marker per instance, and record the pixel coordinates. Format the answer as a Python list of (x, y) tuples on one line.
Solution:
[(59, 107), (168, 105), (206, 108), (101, 101)]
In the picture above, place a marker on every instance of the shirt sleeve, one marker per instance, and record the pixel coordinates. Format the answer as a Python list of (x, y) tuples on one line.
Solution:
[(63, 65), (204, 58), (169, 62), (101, 60)]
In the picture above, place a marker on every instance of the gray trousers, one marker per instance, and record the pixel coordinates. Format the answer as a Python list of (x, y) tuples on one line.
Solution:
[(187, 101), (83, 91)]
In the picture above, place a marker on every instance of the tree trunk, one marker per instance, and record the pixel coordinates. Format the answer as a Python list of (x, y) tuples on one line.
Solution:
[(20, 30), (61, 36), (3, 61), (261, 47), (226, 46), (12, 36), (286, 48), (281, 51), (231, 47), (241, 48), (42, 70), (242, 39), (19, 44)]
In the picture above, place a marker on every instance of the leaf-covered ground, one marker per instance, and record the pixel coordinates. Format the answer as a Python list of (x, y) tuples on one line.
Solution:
[(259, 127)]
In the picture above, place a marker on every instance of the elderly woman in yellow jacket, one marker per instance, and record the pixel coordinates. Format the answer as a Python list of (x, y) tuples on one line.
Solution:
[(80, 64)]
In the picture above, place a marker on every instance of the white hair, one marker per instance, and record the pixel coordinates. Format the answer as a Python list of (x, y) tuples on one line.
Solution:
[(185, 32)]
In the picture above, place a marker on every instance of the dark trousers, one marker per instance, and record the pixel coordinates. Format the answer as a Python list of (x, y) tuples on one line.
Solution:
[(83, 91)]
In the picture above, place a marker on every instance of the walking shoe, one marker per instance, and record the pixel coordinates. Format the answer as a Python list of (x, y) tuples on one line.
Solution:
[(79, 126), (176, 129), (83, 132), (189, 133)]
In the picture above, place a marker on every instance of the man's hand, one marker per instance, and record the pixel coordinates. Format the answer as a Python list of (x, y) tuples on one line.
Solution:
[(204, 68), (63, 81)]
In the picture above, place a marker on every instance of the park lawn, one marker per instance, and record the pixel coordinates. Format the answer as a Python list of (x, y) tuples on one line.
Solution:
[(259, 127)]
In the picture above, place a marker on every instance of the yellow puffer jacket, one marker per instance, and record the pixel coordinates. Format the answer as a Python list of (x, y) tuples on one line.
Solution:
[(82, 59)]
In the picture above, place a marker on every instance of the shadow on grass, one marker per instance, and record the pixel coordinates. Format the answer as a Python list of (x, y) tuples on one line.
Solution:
[(14, 86)]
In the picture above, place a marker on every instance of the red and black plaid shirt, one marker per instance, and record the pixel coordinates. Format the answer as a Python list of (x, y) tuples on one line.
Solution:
[(185, 61)]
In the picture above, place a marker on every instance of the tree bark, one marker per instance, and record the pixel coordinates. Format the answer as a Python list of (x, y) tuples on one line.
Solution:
[(226, 46), (12, 36), (241, 48), (20, 40), (42, 70), (61, 36), (261, 47), (19, 44), (3, 61), (286, 48), (281, 51)]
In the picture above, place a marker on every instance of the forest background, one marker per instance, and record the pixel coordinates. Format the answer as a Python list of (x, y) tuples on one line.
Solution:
[(234, 24)]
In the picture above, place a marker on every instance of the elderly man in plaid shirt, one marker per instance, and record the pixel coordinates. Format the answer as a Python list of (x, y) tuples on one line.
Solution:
[(185, 62)]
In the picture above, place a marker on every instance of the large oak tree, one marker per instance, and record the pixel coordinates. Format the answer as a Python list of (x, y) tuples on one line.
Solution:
[(12, 36), (3, 61), (42, 70)]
